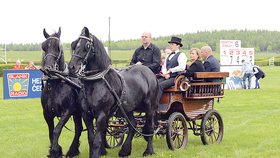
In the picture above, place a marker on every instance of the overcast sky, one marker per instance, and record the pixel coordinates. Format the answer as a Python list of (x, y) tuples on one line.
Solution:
[(23, 21)]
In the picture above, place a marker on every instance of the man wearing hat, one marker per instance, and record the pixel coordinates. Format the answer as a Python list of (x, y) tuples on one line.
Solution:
[(175, 62)]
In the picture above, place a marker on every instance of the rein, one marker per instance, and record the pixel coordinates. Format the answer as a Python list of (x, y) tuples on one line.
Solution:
[(101, 75)]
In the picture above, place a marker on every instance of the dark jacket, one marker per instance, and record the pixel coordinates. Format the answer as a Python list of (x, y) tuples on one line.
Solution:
[(150, 57), (196, 66), (259, 74), (211, 64)]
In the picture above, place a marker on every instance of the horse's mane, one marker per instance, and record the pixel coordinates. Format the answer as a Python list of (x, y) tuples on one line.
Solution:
[(102, 58)]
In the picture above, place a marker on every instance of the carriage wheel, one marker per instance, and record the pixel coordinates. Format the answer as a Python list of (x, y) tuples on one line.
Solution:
[(212, 128), (177, 131), (115, 133)]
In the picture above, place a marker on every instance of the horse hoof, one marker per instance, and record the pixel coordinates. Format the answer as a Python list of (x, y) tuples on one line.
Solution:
[(55, 153), (72, 153), (148, 153), (124, 154)]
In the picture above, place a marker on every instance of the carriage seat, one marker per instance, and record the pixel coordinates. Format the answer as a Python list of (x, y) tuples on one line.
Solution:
[(180, 79), (210, 75), (205, 89), (199, 78)]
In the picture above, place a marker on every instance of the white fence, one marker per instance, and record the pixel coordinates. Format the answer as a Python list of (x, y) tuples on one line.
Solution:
[(3, 54), (271, 61)]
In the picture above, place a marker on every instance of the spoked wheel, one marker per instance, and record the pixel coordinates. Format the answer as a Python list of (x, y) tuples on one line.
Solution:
[(212, 128), (115, 133), (177, 131)]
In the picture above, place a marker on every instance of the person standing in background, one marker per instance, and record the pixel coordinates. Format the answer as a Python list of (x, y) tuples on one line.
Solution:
[(258, 74), (31, 66), (247, 73), (18, 65)]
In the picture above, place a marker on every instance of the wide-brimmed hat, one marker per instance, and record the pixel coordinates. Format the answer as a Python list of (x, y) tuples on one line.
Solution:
[(176, 40)]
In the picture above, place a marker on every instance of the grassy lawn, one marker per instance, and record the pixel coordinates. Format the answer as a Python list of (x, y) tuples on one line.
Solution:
[(26, 56), (251, 122)]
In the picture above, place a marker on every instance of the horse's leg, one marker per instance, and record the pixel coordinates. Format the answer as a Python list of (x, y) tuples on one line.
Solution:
[(74, 148), (126, 147), (98, 146), (56, 151), (88, 119), (148, 129), (50, 123)]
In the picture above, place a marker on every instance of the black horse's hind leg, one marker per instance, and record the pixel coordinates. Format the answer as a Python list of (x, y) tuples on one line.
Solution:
[(90, 129), (56, 150), (74, 148), (148, 129), (98, 146), (126, 147)]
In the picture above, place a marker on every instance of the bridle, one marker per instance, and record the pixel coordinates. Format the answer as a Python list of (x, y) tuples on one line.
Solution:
[(56, 66), (90, 47)]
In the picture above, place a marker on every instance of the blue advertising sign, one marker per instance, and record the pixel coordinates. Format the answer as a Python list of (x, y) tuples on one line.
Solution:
[(22, 84)]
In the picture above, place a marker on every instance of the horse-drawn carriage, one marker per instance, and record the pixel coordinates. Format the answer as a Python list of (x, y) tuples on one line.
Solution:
[(95, 91), (189, 105)]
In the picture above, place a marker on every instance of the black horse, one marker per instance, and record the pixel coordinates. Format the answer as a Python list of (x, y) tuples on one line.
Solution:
[(106, 91), (58, 99)]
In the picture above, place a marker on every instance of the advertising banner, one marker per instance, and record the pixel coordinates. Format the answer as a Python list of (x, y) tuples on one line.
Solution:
[(22, 84)]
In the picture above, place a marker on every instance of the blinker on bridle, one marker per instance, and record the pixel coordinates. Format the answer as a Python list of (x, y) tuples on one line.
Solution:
[(89, 48), (84, 62)]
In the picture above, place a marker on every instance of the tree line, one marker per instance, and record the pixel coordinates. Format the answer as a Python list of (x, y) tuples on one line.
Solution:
[(261, 40)]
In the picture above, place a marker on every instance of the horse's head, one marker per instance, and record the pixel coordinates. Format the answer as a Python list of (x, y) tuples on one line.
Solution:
[(89, 54), (53, 58)]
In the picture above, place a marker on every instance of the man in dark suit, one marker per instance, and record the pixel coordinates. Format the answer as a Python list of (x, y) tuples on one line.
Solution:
[(211, 64), (148, 54)]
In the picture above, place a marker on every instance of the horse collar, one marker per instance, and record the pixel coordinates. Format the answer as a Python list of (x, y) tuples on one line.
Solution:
[(97, 75)]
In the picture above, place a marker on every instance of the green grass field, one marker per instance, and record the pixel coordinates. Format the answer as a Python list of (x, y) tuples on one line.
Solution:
[(251, 122), (36, 56)]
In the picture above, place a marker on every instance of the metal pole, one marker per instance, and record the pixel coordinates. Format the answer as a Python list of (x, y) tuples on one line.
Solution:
[(109, 38)]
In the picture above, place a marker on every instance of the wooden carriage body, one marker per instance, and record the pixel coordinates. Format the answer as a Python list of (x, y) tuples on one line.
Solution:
[(196, 100)]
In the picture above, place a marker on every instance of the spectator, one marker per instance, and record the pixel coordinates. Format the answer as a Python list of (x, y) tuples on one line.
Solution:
[(175, 62), (167, 51), (247, 73), (258, 74), (31, 66), (211, 64), (196, 63), (148, 54), (18, 65)]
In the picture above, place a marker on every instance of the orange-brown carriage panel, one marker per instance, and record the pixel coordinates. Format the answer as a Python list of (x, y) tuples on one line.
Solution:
[(194, 108), (211, 74), (167, 99)]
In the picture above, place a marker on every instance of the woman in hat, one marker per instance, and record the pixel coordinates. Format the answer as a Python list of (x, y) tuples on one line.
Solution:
[(174, 63)]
